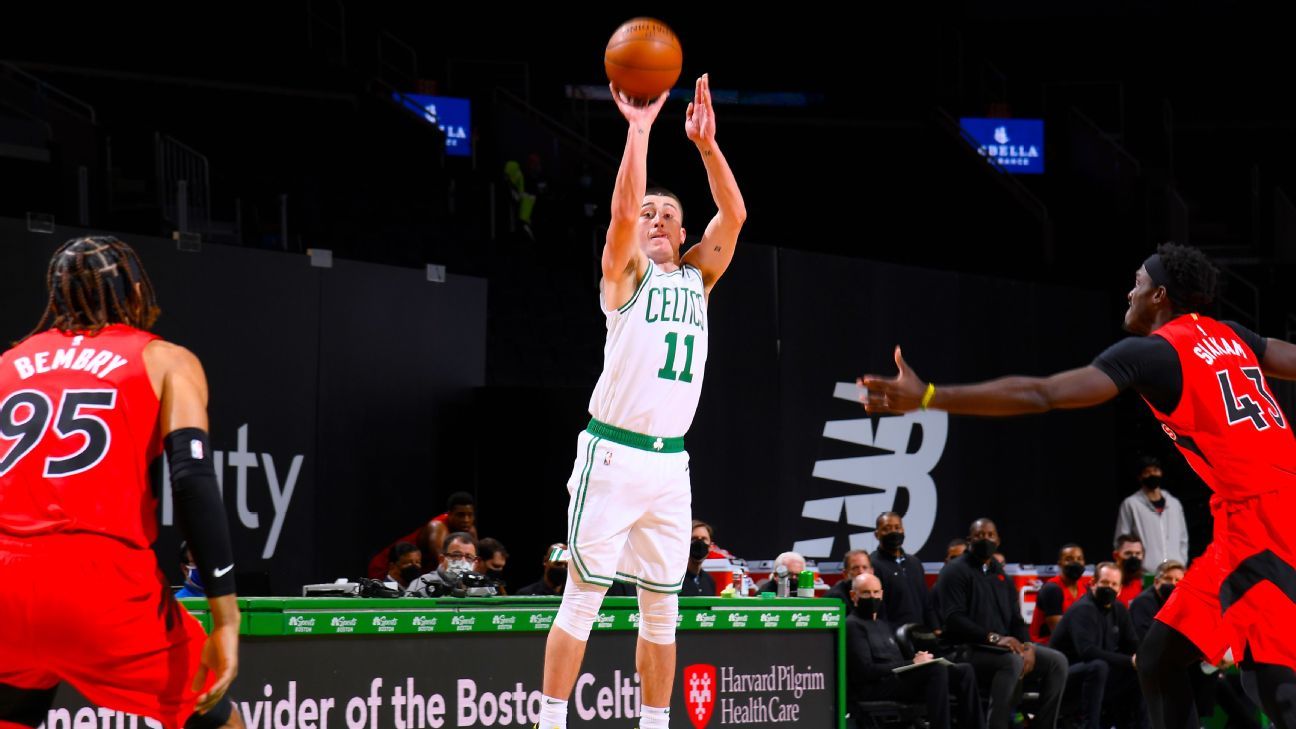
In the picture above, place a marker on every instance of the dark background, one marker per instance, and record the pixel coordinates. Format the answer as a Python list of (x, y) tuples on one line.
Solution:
[(871, 223)]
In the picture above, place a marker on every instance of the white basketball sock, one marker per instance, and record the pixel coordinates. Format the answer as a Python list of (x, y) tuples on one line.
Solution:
[(652, 717), (553, 713)]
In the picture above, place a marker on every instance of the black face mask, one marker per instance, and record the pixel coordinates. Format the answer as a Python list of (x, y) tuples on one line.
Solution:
[(1073, 571), (982, 549), (1163, 591), (409, 573), (1151, 482), (1103, 597), (867, 607), (557, 576), (698, 550), (892, 541), (1132, 566)]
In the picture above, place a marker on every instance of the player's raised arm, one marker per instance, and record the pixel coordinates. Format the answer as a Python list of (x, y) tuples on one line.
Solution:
[(621, 252), (1078, 388), (715, 251)]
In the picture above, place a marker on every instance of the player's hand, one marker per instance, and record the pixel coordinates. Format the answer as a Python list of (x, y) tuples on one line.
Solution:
[(922, 657), (899, 394), (639, 115), (219, 657), (699, 118)]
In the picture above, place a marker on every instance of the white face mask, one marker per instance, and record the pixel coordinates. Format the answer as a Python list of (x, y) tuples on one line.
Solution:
[(459, 565)]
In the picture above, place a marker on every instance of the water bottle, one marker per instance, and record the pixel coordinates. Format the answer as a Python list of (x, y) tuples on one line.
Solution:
[(782, 581), (805, 584)]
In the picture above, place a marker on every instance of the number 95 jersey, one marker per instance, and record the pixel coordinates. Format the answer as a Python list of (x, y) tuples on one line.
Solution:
[(655, 355), (78, 430)]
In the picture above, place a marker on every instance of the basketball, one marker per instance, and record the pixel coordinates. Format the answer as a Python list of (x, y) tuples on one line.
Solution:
[(643, 58)]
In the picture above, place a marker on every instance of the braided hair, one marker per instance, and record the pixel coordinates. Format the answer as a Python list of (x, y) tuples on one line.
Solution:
[(94, 282)]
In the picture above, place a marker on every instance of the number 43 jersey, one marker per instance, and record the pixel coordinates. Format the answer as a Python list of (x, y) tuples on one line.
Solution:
[(1227, 423), (78, 430), (655, 355)]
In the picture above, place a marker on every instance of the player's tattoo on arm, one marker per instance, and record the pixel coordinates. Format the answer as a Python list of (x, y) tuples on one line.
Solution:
[(717, 249)]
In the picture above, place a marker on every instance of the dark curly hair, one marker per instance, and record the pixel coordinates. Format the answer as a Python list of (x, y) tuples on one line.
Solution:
[(94, 282), (1195, 280)]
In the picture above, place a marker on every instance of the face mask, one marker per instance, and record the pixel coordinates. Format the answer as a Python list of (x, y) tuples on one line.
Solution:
[(1104, 597), (458, 565), (698, 550), (1151, 482), (892, 541), (983, 549), (867, 607), (1163, 591), (557, 576), (410, 572), (1132, 566), (1073, 571)]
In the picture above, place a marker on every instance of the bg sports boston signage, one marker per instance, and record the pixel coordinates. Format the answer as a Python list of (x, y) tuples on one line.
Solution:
[(1016, 145)]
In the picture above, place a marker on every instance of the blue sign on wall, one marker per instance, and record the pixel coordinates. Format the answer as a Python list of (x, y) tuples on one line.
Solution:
[(451, 115), (1016, 145)]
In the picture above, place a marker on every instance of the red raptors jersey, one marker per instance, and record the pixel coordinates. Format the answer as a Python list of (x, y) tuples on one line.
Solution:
[(78, 429), (1227, 423)]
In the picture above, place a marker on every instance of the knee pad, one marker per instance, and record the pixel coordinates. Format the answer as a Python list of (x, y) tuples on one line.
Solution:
[(579, 608), (657, 617)]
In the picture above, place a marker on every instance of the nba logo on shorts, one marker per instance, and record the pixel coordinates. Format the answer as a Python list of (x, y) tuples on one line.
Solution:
[(699, 693)]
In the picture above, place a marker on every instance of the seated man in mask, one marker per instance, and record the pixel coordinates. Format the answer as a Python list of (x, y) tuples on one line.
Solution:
[(458, 557), (554, 578), (1097, 630), (697, 583), (1129, 558), (1059, 593), (982, 619), (872, 653), (404, 565)]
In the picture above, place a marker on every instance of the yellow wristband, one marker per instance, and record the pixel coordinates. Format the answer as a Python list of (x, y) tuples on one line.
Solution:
[(928, 395)]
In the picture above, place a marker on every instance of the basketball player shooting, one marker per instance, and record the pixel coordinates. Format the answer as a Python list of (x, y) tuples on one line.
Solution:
[(1205, 382), (87, 401), (629, 516)]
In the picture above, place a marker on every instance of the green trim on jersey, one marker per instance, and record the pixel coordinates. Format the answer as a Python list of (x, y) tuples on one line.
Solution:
[(649, 585), (579, 505), (642, 284), (650, 443)]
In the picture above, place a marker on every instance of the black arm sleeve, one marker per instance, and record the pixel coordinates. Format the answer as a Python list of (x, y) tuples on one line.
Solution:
[(199, 509), (1257, 343), (1147, 364)]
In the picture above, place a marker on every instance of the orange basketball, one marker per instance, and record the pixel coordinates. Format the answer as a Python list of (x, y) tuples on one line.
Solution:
[(643, 58)]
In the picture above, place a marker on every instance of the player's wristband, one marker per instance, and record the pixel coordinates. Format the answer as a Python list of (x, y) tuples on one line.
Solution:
[(928, 395)]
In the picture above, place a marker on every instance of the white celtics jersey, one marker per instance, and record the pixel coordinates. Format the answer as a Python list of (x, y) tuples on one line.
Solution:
[(655, 356)]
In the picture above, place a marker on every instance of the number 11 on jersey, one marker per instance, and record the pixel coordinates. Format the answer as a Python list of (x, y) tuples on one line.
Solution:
[(668, 372)]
